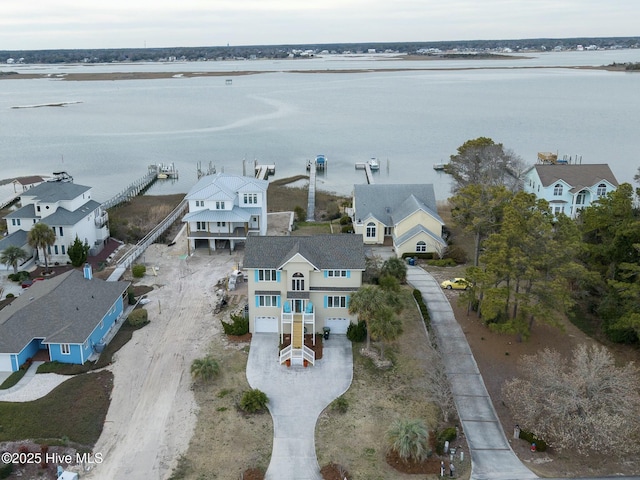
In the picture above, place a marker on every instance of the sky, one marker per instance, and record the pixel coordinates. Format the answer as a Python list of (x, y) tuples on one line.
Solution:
[(69, 24)]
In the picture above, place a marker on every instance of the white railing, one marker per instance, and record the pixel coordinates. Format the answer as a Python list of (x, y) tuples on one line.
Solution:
[(304, 353), (285, 354), (308, 355)]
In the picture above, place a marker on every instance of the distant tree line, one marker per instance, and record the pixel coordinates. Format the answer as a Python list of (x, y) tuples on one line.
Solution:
[(283, 51)]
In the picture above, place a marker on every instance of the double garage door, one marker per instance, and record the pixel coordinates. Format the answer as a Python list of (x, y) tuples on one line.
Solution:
[(265, 325), (337, 325), (5, 362)]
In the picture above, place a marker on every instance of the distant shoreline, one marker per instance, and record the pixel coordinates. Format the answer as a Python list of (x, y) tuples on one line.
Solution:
[(113, 76)]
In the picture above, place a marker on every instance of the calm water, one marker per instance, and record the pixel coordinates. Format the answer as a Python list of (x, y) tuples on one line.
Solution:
[(409, 120)]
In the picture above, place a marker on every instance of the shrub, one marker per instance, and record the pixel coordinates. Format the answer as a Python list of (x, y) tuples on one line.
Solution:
[(345, 220), (409, 439), (422, 255), (10, 295), (138, 317), (443, 262), (340, 404), (138, 270), (346, 229), (19, 277), (301, 214), (6, 470), (456, 253), (131, 297), (447, 435), (254, 401), (239, 325), (417, 294), (357, 332), (205, 368), (541, 445)]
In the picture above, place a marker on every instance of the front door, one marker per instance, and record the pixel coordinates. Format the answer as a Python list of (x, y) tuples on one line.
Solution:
[(298, 305)]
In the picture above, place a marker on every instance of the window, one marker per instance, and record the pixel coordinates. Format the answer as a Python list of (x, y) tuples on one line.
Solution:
[(38, 208), (201, 225), (337, 273), (13, 221), (250, 198), (219, 205), (267, 275), (580, 199), (55, 249), (558, 209), (268, 300), (199, 203), (297, 282), (337, 301), (61, 232), (65, 349), (557, 189), (63, 249), (602, 190), (222, 224), (371, 230), (421, 246)]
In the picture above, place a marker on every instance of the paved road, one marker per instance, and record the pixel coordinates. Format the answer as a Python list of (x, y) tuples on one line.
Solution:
[(491, 454), (297, 396)]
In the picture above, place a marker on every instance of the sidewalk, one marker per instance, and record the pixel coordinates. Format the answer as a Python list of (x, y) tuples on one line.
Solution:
[(491, 454), (27, 390)]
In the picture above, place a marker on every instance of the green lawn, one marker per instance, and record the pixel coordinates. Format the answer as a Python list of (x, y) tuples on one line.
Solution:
[(75, 411), (13, 379)]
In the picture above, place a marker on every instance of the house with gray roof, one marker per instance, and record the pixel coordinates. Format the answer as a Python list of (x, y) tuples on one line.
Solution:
[(569, 187), (302, 284), (69, 210), (404, 216), (225, 209), (68, 316)]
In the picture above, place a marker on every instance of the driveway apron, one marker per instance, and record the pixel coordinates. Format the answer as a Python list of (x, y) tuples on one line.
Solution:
[(297, 395), (491, 455)]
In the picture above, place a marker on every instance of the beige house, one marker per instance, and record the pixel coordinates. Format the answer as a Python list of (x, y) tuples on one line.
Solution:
[(404, 216), (299, 285)]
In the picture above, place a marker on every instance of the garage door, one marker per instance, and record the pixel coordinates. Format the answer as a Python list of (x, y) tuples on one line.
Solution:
[(5, 362), (337, 325), (266, 325)]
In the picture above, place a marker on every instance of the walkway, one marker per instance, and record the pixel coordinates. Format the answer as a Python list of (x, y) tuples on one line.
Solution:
[(27, 390), (311, 200), (297, 396), (491, 454)]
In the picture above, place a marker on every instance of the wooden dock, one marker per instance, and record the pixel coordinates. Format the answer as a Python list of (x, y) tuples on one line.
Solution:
[(367, 171), (134, 189), (262, 172), (10, 199), (311, 202)]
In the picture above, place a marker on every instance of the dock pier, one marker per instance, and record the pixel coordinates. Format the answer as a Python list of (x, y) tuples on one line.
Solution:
[(367, 170), (134, 189), (262, 172), (311, 202)]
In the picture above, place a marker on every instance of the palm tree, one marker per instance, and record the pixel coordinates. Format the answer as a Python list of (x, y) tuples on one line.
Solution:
[(11, 255), (409, 439), (42, 236), (205, 368), (366, 302), (386, 326)]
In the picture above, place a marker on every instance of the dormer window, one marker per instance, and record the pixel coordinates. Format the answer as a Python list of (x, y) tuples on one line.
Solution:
[(219, 205), (557, 189), (250, 198)]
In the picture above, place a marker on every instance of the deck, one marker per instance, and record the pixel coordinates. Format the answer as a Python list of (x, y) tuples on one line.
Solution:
[(367, 171)]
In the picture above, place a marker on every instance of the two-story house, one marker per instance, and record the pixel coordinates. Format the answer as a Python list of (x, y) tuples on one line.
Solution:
[(68, 209), (403, 215), (225, 208), (298, 284), (569, 187)]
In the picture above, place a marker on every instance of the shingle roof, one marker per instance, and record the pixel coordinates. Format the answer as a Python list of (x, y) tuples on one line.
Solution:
[(584, 175), (323, 251), (17, 239), (63, 309), (29, 180), (28, 211), (55, 191), (62, 216), (389, 202), (225, 186)]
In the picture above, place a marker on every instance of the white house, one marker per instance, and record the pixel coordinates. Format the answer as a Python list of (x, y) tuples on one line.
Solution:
[(404, 215), (226, 208), (569, 187), (68, 209)]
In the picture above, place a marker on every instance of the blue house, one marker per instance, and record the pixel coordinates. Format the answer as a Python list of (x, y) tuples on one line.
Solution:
[(569, 187), (67, 315)]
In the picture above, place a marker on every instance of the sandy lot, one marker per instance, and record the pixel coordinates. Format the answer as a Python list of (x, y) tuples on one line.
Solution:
[(153, 411)]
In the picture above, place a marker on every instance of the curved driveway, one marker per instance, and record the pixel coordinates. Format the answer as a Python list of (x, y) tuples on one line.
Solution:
[(491, 454)]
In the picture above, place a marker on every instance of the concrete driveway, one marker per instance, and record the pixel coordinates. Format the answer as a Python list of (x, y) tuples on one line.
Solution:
[(297, 396), (491, 454)]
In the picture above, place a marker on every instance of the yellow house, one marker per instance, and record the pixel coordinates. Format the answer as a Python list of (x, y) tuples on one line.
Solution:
[(404, 216), (302, 284)]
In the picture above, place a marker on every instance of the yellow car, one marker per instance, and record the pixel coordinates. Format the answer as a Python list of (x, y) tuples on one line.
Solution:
[(455, 284)]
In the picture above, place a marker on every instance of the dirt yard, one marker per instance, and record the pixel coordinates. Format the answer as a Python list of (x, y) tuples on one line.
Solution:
[(153, 409)]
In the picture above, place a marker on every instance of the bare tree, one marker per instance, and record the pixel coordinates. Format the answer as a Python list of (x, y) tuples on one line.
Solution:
[(438, 386), (584, 404)]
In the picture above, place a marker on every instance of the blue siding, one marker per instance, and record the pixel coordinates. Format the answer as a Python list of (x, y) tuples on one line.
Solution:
[(74, 356), (27, 352)]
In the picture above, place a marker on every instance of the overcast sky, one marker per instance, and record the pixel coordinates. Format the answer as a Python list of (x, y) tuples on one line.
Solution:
[(53, 24)]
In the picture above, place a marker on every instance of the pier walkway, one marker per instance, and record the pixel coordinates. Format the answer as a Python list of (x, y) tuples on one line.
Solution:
[(367, 171), (311, 202), (263, 171), (9, 200), (132, 255), (134, 189)]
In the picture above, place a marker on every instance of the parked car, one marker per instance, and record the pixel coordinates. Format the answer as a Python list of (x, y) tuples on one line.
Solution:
[(455, 284)]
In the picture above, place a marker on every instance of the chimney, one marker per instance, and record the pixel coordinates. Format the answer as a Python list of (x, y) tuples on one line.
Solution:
[(88, 273)]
